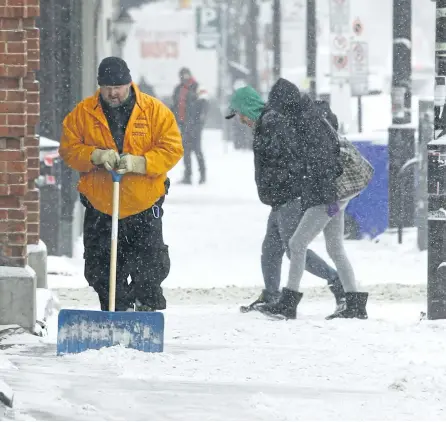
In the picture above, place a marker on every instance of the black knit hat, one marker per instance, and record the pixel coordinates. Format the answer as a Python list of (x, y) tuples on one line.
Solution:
[(113, 71)]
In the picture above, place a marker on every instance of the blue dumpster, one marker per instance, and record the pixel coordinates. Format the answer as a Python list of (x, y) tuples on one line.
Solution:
[(368, 215)]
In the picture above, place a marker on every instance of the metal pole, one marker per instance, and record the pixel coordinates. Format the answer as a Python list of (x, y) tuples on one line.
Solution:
[(225, 88), (253, 40), (277, 16), (311, 47), (401, 174), (425, 135), (359, 113), (401, 133), (436, 278)]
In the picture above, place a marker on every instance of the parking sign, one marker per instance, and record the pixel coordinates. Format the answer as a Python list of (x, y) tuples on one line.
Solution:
[(208, 27)]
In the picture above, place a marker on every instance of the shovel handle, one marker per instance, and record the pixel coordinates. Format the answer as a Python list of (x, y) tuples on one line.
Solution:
[(114, 241)]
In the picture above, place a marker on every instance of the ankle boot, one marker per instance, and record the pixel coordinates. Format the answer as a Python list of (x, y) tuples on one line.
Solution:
[(265, 297), (355, 306), (286, 306), (336, 288)]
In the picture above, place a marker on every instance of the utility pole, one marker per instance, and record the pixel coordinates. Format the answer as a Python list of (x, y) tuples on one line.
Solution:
[(225, 89), (311, 47), (436, 281), (251, 45), (277, 28), (401, 133)]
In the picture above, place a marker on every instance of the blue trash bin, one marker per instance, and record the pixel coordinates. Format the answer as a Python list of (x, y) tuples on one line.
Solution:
[(368, 215)]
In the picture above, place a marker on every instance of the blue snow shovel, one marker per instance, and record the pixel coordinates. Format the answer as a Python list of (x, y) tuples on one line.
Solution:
[(80, 330)]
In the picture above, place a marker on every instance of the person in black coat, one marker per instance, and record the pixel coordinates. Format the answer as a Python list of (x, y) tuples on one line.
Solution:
[(304, 152), (278, 174)]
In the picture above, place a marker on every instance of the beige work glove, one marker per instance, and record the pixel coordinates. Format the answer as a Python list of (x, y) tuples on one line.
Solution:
[(132, 164), (109, 158)]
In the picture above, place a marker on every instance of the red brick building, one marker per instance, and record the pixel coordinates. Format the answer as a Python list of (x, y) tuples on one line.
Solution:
[(19, 115)]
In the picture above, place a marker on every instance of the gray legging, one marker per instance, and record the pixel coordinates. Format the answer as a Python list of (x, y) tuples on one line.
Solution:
[(314, 221), (282, 223)]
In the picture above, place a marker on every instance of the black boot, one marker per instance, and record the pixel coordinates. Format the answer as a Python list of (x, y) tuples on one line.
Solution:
[(285, 307), (265, 297), (355, 306), (336, 288)]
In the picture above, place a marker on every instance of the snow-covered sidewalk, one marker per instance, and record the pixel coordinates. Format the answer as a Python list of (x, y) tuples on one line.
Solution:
[(219, 364), (222, 365)]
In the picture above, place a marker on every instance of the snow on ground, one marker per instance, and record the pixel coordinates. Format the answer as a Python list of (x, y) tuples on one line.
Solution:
[(221, 365)]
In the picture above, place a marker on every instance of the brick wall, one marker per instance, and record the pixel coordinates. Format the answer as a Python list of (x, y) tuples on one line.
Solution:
[(19, 115)]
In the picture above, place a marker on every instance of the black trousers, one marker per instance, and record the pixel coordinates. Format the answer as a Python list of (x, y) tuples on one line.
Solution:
[(142, 255), (192, 144)]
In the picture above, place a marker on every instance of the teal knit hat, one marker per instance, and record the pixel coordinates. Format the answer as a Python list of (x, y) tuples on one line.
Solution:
[(246, 101)]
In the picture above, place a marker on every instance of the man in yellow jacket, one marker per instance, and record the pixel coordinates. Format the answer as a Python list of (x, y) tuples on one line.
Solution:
[(124, 129)]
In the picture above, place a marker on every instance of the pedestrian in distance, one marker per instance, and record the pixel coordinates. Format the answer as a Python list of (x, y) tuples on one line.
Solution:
[(190, 104)]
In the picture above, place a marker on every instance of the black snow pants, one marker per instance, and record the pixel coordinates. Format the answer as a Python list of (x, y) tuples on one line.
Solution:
[(143, 261)]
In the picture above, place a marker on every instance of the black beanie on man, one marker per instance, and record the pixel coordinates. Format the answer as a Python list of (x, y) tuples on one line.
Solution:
[(113, 71)]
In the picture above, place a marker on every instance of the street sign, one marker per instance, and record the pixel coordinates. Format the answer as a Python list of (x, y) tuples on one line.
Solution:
[(208, 25), (339, 66), (357, 27), (340, 43), (339, 16), (339, 57), (359, 68)]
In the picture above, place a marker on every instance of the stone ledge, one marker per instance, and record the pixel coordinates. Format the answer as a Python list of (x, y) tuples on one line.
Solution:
[(18, 296), (38, 261)]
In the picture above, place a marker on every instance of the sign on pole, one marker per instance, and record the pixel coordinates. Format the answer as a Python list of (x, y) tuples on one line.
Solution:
[(339, 16), (208, 23), (357, 27), (359, 68), (339, 57)]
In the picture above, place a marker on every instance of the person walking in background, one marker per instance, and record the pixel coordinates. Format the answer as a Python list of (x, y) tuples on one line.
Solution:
[(122, 129), (279, 170), (189, 104), (332, 173)]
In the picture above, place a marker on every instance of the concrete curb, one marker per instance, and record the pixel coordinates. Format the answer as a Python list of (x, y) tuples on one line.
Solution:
[(6, 394)]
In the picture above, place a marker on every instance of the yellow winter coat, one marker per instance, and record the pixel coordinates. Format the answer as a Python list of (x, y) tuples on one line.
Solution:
[(151, 132)]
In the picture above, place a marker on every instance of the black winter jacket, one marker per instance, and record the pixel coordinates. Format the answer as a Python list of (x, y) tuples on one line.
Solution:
[(277, 159), (316, 142)]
